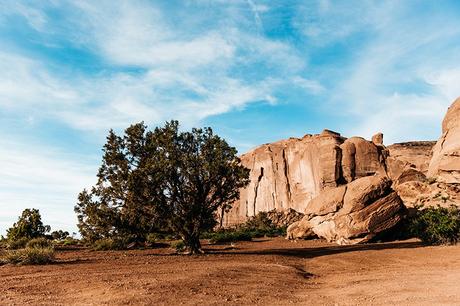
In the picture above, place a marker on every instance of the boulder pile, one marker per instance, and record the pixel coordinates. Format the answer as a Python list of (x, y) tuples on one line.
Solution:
[(352, 213)]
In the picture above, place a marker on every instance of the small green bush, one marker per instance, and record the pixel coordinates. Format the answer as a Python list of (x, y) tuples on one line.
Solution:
[(259, 222), (178, 245), (261, 226), (39, 243), (152, 238), (3, 243), (111, 244), (70, 241), (29, 256), (436, 225), (18, 244), (231, 236)]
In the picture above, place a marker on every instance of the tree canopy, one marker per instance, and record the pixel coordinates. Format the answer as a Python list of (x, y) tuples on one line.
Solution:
[(163, 178), (29, 225)]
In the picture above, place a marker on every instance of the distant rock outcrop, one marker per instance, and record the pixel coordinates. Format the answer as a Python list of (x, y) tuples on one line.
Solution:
[(445, 163), (417, 153)]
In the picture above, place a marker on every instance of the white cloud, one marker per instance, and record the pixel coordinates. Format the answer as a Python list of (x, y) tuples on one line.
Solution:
[(25, 82), (312, 86), (396, 81), (183, 75), (446, 81), (34, 17)]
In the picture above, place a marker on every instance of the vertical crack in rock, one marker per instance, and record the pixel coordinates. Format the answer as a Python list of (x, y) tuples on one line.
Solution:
[(444, 139), (247, 209), (274, 193), (343, 197), (286, 174), (338, 167), (256, 188)]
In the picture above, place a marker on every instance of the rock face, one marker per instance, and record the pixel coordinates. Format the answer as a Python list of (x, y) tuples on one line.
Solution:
[(284, 218), (417, 153), (350, 189), (352, 213), (289, 173), (445, 163)]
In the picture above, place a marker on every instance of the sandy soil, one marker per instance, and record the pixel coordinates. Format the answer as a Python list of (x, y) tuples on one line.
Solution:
[(266, 272)]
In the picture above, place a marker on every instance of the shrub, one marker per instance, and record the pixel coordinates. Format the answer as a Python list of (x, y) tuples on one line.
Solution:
[(152, 238), (259, 222), (29, 256), (39, 243), (70, 241), (436, 225), (231, 236), (18, 244), (261, 226), (3, 243), (178, 245), (111, 244)]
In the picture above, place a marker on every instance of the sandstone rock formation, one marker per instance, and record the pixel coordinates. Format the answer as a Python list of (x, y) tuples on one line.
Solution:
[(284, 218), (428, 193), (289, 173), (417, 153), (350, 189), (445, 163), (352, 213)]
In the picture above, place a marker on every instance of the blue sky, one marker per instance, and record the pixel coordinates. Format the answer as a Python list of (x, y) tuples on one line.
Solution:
[(256, 71)]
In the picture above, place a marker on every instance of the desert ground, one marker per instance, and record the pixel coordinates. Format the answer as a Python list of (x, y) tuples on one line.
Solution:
[(267, 271)]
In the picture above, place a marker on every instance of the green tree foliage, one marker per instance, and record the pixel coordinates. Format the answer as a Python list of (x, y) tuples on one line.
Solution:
[(437, 225), (119, 204), (29, 226), (60, 235), (161, 178)]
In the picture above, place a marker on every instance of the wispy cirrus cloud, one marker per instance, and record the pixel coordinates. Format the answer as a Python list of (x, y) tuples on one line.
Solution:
[(394, 79)]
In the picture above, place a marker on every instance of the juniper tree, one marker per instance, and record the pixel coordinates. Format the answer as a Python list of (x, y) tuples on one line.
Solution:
[(164, 177), (192, 175), (29, 225)]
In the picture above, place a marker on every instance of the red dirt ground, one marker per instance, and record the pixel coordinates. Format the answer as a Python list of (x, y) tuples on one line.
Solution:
[(266, 272)]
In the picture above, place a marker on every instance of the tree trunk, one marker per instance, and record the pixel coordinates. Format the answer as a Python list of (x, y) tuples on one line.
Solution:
[(222, 213), (193, 245)]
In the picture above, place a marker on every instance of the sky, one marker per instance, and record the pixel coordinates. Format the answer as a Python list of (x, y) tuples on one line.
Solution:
[(255, 71)]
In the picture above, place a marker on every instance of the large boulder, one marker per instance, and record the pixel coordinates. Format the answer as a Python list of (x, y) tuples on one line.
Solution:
[(445, 163), (353, 213)]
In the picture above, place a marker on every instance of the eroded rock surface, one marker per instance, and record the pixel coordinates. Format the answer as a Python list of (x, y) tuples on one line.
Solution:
[(284, 218), (417, 153), (445, 163), (353, 213), (350, 189), (289, 173)]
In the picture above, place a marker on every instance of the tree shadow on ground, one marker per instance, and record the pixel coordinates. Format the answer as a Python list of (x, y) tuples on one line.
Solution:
[(312, 252)]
